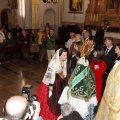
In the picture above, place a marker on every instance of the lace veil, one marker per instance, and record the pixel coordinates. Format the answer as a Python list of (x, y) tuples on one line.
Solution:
[(53, 66)]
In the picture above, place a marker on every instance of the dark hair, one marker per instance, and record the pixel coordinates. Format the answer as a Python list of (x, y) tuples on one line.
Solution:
[(79, 44), (61, 51), (109, 38), (118, 45), (100, 54), (19, 116), (52, 29)]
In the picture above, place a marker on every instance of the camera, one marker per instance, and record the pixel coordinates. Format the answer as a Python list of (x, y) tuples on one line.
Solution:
[(26, 93)]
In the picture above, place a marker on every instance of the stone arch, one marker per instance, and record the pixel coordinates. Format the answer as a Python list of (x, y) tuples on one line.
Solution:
[(49, 17), (6, 18)]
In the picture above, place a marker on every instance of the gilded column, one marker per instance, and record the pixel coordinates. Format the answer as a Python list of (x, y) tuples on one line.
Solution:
[(28, 14), (61, 4), (35, 14)]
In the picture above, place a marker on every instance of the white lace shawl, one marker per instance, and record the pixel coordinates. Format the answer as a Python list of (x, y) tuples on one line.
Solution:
[(49, 77)]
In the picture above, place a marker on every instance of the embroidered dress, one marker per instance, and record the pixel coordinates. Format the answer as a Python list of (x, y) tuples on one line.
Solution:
[(110, 105), (50, 109), (81, 90)]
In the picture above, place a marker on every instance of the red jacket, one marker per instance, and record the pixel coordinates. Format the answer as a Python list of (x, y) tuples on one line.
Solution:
[(98, 69)]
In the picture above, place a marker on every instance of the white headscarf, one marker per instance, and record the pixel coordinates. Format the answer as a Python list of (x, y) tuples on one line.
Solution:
[(53, 66)]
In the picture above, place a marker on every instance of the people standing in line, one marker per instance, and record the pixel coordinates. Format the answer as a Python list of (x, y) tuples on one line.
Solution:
[(18, 42), (34, 46), (70, 41), (75, 56), (86, 35), (98, 66), (17, 38), (9, 39), (110, 57), (2, 37), (44, 42), (110, 54), (72, 51), (99, 37), (77, 39), (17, 29), (90, 31), (81, 89), (91, 56), (2, 41), (40, 35), (25, 43), (50, 44), (52, 86), (44, 50)]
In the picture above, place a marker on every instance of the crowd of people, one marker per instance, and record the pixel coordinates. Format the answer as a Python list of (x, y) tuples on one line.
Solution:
[(37, 42), (95, 72)]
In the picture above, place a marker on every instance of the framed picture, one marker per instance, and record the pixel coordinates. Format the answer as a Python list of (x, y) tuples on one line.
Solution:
[(14, 4), (76, 6)]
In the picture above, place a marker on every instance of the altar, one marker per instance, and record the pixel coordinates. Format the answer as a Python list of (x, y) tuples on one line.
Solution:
[(109, 34)]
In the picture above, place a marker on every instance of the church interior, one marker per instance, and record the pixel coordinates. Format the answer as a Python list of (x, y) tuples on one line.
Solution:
[(63, 16)]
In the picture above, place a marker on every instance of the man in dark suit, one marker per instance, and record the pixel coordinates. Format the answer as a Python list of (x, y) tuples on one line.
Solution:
[(109, 53), (110, 56), (17, 29)]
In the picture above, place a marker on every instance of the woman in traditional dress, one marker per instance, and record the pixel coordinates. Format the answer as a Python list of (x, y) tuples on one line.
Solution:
[(52, 86), (110, 104), (98, 66), (81, 89)]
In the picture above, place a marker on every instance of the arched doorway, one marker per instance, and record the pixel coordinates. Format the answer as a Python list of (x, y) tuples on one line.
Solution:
[(49, 17), (6, 18)]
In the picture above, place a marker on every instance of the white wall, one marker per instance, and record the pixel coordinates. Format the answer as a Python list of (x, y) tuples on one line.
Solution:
[(43, 7), (74, 17)]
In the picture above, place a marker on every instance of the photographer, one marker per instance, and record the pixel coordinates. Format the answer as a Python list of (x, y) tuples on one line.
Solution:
[(18, 108)]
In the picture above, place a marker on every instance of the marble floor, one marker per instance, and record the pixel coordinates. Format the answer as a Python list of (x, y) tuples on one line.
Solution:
[(16, 73)]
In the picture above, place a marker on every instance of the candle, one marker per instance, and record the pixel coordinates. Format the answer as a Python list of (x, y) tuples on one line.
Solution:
[(97, 18), (94, 17), (91, 17)]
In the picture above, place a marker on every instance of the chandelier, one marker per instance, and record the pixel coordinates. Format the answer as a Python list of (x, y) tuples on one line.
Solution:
[(51, 1)]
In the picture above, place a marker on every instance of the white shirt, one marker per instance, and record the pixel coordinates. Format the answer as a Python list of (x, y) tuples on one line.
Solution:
[(2, 37), (108, 50), (69, 43)]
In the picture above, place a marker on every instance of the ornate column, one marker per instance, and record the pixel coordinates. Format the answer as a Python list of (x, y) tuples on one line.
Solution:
[(21, 13), (28, 14), (35, 14), (61, 4)]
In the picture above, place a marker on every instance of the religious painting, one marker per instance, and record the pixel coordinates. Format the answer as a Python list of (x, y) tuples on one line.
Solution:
[(14, 4), (76, 6)]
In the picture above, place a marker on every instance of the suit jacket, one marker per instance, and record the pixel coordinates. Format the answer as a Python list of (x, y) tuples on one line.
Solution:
[(110, 58)]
